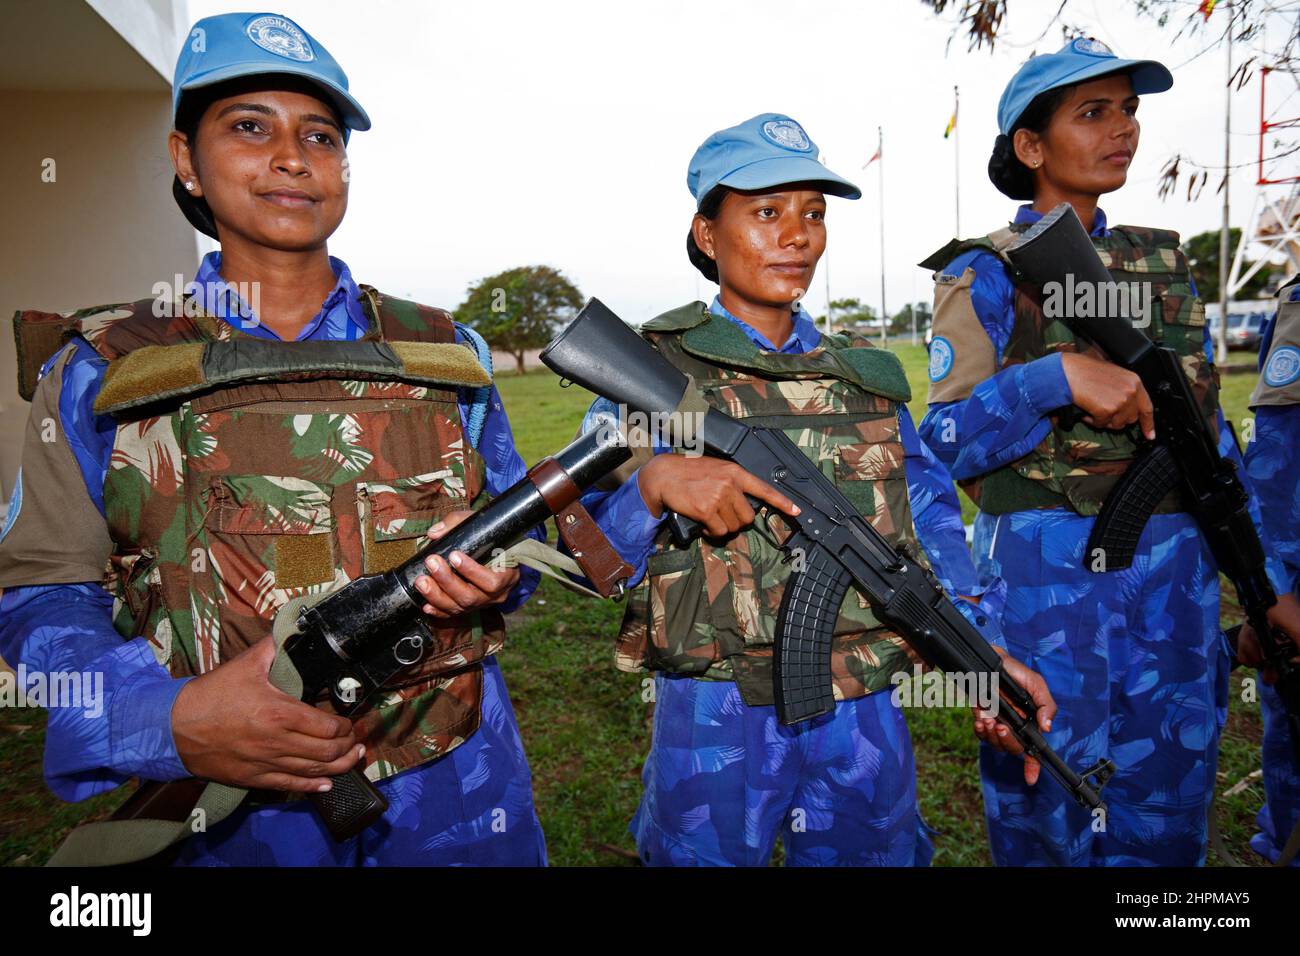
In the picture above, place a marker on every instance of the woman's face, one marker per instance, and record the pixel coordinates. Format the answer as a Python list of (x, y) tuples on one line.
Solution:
[(1090, 141), (766, 243), (272, 167)]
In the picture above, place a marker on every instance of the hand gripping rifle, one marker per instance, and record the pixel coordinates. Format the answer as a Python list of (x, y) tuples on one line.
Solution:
[(1184, 456), (349, 643), (839, 548)]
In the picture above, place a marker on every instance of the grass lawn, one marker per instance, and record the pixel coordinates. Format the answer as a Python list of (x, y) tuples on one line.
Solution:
[(587, 727)]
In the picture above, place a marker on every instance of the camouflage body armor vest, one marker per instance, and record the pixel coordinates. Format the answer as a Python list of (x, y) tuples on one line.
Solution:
[(710, 610), (246, 472), (1075, 465)]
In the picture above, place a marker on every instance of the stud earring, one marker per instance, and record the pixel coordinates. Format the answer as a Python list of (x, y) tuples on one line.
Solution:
[(189, 184)]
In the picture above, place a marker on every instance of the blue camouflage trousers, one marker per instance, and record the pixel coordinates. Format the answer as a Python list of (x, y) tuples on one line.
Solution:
[(1138, 667), (1281, 811), (723, 779), (472, 807)]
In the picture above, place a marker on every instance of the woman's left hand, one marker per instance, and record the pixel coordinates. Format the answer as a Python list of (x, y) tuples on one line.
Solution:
[(460, 584), (999, 735)]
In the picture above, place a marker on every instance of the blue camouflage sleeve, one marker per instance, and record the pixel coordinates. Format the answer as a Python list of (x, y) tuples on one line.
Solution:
[(936, 513), (1005, 416), (621, 514), (124, 730)]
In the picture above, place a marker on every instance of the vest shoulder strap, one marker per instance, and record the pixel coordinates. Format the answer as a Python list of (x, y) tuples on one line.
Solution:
[(993, 243), (879, 371), (401, 320), (111, 330), (678, 320), (1147, 237)]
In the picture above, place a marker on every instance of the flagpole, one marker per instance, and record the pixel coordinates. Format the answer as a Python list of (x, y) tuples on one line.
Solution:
[(884, 316), (956, 156), (826, 265)]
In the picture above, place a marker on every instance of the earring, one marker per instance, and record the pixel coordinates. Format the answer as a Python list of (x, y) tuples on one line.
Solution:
[(1037, 164), (189, 184)]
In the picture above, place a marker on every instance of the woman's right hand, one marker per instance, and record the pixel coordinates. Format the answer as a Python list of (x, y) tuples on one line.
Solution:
[(709, 490), (1111, 397), (232, 726)]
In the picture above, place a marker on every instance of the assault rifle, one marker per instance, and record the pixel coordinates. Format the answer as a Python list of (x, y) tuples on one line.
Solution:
[(839, 549), (1184, 455), (358, 637)]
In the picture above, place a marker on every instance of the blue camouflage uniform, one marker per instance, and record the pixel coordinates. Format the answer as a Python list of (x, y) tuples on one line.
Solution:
[(471, 806), (1273, 464), (1134, 658), (724, 779)]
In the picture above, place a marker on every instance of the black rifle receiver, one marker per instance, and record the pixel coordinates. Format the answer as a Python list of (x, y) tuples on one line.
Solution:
[(1184, 456), (840, 548)]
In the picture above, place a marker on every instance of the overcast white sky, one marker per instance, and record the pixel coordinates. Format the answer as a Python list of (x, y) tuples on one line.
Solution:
[(558, 132)]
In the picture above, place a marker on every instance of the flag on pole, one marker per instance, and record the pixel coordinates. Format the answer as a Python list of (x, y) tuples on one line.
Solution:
[(1206, 8), (952, 124), (874, 156)]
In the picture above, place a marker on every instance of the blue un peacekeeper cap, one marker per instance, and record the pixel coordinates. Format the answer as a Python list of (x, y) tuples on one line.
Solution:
[(768, 150), (1082, 59), (234, 45)]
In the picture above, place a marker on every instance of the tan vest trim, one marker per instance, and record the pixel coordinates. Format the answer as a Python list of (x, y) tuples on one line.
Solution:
[(1279, 381), (961, 353)]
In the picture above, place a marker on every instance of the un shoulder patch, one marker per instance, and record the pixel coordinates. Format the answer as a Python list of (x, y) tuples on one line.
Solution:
[(1283, 367), (941, 356)]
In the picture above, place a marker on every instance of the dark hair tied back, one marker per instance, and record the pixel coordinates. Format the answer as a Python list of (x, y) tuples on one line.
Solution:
[(709, 208), (188, 113), (1012, 177)]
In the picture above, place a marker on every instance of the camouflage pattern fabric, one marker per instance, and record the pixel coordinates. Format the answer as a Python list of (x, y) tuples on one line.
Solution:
[(1139, 669), (724, 779), (1077, 466), (226, 505), (472, 808), (710, 610)]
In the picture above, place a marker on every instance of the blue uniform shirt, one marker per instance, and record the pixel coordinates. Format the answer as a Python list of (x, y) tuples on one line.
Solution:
[(68, 627)]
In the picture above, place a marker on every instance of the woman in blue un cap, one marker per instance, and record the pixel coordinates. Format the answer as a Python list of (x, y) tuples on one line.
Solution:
[(724, 778), (276, 476), (1134, 656)]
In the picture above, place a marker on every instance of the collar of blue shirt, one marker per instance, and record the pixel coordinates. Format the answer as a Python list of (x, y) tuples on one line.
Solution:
[(804, 336), (340, 317), (1027, 216)]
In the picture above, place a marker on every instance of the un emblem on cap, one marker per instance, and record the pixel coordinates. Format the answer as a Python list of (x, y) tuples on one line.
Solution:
[(787, 134), (1092, 46), (282, 37)]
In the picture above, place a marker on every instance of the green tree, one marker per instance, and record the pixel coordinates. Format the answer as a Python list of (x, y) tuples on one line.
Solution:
[(1202, 251), (520, 309), (846, 313), (902, 320)]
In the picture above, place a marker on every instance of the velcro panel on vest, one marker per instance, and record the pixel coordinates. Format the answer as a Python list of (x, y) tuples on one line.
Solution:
[(160, 372), (879, 372), (961, 353), (37, 335)]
